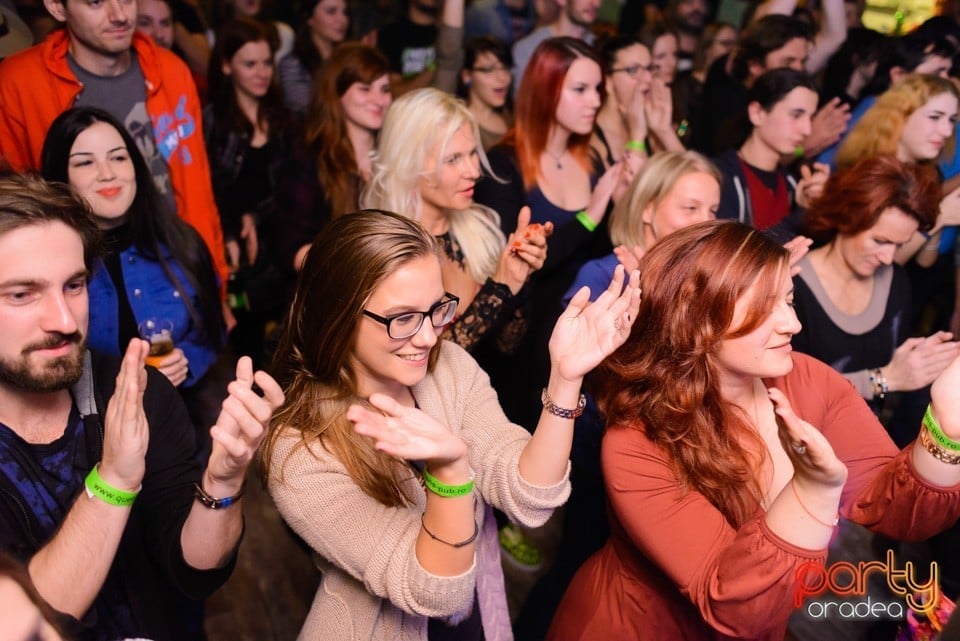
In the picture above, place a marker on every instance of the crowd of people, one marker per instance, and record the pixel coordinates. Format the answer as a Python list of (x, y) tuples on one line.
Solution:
[(434, 269)]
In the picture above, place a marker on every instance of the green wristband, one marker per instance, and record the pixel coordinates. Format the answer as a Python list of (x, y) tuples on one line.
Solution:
[(586, 221), (933, 428), (444, 490), (636, 145), (97, 487)]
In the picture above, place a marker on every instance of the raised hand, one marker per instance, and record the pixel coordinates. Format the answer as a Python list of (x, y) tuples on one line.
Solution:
[(524, 253), (659, 107), (944, 400), (603, 192), (242, 423), (406, 432), (919, 361), (635, 112), (827, 125), (586, 333), (811, 183), (125, 431), (629, 257), (814, 460), (798, 246)]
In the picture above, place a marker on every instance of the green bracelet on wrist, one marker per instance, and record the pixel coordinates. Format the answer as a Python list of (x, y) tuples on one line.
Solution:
[(585, 220), (442, 489), (933, 428), (636, 145), (97, 487)]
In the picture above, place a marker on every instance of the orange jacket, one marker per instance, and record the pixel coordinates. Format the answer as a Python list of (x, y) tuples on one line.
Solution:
[(37, 85)]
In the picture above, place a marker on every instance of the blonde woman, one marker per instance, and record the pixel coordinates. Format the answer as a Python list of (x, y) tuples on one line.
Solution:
[(673, 190), (426, 166)]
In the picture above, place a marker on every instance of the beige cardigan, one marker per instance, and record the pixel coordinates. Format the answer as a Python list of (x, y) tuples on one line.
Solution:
[(372, 587)]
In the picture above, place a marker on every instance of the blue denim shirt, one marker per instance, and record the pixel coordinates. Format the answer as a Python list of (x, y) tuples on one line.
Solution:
[(151, 294)]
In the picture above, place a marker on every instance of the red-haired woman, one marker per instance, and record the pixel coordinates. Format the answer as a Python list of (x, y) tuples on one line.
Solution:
[(728, 457), (545, 162), (852, 298), (326, 173)]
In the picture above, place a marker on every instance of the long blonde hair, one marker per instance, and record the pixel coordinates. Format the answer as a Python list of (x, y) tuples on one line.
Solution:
[(649, 187), (879, 131), (417, 125)]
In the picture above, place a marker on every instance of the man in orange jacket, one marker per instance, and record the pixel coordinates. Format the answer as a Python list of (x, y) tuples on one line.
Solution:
[(99, 60)]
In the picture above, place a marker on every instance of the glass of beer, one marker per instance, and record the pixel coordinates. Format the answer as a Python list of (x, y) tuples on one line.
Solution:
[(159, 333)]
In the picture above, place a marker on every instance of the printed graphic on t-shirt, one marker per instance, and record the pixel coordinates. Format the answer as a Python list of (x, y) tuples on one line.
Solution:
[(413, 60), (138, 124)]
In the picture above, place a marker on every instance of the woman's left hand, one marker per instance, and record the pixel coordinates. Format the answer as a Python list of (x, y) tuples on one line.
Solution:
[(586, 333), (524, 253), (406, 432)]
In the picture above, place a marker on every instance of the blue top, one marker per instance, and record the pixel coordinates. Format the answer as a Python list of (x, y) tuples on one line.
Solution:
[(151, 294), (595, 274)]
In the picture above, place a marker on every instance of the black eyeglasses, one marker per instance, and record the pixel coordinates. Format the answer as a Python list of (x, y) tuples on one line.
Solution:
[(490, 69), (633, 70), (407, 324)]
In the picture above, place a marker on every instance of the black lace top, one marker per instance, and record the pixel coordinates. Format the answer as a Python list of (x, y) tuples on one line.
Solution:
[(495, 311)]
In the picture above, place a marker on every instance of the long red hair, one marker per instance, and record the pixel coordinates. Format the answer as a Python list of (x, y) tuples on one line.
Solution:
[(536, 105), (665, 379)]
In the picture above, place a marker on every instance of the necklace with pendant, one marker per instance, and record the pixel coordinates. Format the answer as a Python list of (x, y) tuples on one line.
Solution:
[(556, 158)]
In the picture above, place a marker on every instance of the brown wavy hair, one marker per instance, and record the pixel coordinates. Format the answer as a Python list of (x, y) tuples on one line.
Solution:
[(325, 125), (854, 198), (665, 380), (314, 360)]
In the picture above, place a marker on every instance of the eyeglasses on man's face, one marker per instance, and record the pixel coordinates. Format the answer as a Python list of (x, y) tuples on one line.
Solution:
[(407, 324), (491, 69)]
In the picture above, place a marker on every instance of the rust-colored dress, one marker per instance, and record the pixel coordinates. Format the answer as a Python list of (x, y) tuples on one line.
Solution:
[(674, 569)]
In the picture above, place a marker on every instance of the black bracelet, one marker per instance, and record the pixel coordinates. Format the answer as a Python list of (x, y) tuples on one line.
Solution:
[(214, 503), (476, 532)]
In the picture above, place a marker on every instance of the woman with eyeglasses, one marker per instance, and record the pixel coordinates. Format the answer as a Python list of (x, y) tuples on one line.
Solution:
[(391, 447), (636, 114), (485, 83)]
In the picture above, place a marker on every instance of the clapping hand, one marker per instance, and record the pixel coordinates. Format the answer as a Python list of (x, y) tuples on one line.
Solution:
[(586, 333), (125, 430), (524, 253), (814, 460), (811, 183), (242, 424), (798, 246), (406, 433)]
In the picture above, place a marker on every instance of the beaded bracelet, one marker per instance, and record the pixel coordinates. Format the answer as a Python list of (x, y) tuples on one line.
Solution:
[(829, 524), (434, 484), (879, 382), (97, 487), (476, 532)]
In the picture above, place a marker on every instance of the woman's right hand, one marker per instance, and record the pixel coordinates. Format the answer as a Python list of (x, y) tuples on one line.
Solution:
[(919, 361), (408, 433), (813, 458), (524, 253)]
